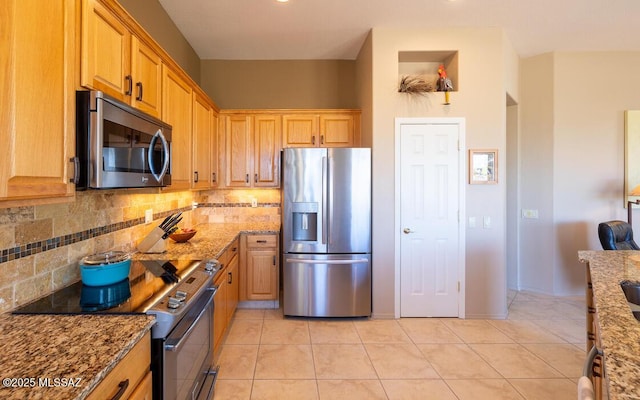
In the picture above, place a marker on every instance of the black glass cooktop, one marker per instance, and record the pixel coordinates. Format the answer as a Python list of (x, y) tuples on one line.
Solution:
[(147, 279)]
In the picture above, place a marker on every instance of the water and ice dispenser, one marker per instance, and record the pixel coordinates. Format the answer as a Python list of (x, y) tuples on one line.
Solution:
[(305, 222)]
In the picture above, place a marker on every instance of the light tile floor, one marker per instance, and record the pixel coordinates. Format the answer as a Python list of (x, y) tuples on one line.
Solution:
[(536, 354)]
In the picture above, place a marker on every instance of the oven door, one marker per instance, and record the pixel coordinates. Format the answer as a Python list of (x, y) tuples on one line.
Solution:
[(188, 353)]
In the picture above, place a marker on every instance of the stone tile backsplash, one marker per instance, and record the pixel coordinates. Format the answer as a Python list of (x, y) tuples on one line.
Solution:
[(40, 246)]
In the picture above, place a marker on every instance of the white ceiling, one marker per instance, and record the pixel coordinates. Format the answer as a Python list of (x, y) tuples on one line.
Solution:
[(336, 29)]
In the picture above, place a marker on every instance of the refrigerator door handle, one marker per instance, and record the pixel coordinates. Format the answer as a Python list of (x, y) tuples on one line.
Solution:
[(325, 179), (299, 261)]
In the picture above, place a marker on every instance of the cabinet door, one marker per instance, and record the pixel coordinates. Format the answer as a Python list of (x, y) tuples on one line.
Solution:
[(220, 312), (262, 274), (37, 99), (266, 150), (106, 52), (238, 150), (144, 390), (233, 285), (215, 148), (336, 130), (176, 111), (300, 130), (146, 67), (202, 131)]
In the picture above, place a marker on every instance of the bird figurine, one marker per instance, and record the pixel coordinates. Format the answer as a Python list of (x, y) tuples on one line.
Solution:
[(444, 84)]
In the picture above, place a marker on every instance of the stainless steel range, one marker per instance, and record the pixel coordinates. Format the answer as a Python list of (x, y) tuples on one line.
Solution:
[(181, 296)]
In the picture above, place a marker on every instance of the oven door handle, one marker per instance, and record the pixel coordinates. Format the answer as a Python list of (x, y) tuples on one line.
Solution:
[(165, 150), (211, 292)]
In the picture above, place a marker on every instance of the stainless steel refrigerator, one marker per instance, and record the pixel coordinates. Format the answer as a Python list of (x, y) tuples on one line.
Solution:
[(326, 232)]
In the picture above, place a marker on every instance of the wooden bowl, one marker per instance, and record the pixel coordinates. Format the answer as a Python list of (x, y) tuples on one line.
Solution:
[(182, 236)]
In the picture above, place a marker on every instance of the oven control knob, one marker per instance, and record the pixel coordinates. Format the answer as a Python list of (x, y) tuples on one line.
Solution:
[(180, 295), (173, 303), (211, 265)]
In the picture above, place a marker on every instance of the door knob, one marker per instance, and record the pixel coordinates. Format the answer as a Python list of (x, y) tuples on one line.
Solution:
[(407, 230)]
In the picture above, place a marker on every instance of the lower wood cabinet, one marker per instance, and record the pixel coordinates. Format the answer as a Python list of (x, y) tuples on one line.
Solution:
[(131, 378), (226, 299), (259, 267)]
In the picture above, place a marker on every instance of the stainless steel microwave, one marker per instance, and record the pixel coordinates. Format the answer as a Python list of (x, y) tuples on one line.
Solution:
[(118, 146)]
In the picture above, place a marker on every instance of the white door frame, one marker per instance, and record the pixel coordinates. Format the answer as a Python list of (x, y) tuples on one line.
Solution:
[(460, 122)]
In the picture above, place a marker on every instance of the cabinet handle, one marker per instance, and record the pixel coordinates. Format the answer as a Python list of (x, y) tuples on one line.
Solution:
[(261, 241), (76, 170), (123, 385), (255, 178), (274, 260), (129, 85), (313, 140), (139, 86), (195, 176), (230, 278), (234, 249), (247, 178), (321, 139), (213, 177)]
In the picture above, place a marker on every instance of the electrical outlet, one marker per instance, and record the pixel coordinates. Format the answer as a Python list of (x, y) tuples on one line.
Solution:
[(472, 222), (194, 205), (254, 202), (529, 214), (148, 216)]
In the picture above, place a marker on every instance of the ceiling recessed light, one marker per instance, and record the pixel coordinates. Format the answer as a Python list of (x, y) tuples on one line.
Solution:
[(282, 1)]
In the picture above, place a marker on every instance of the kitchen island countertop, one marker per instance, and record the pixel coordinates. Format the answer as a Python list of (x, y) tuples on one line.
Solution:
[(83, 349), (46, 356), (619, 330)]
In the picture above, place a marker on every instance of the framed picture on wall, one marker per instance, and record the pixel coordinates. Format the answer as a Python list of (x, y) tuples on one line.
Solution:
[(483, 167)]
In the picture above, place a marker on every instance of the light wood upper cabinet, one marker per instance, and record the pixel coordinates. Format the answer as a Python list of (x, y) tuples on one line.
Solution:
[(37, 99), (300, 130), (266, 150), (337, 130), (321, 129), (203, 131), (117, 62), (105, 52), (252, 150), (146, 68), (215, 151), (177, 112)]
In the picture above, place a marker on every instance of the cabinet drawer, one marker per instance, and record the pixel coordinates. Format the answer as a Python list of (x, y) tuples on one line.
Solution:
[(232, 250), (130, 371), (261, 241)]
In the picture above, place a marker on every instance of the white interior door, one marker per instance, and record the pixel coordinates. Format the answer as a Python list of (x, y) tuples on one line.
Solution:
[(431, 239)]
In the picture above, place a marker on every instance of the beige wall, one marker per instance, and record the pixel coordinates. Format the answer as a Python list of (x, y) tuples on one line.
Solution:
[(536, 172), (154, 19), (280, 84), (573, 142), (481, 100), (364, 90)]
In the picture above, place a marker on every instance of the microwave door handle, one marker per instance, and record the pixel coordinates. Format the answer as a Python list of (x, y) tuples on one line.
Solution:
[(165, 148)]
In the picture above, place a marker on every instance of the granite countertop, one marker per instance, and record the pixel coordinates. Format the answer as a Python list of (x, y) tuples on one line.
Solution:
[(81, 349), (619, 330), (210, 241)]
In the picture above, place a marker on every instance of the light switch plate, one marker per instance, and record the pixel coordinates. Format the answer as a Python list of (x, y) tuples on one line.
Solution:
[(486, 222), (254, 202)]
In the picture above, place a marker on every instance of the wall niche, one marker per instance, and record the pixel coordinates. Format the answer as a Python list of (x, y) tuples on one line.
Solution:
[(424, 65)]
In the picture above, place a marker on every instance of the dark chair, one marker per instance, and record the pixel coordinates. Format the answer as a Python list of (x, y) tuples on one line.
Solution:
[(616, 235)]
